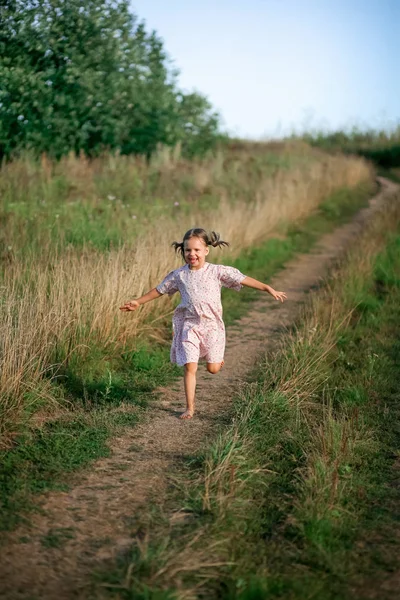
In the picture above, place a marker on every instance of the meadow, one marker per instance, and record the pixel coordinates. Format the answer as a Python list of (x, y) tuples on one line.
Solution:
[(81, 237)]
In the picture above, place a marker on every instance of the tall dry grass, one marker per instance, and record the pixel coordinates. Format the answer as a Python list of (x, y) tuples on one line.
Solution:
[(113, 200), (60, 301)]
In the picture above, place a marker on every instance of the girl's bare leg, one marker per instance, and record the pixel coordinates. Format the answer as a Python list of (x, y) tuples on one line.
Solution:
[(213, 368), (190, 389)]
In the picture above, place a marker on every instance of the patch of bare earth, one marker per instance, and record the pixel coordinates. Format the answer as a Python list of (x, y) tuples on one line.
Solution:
[(95, 520)]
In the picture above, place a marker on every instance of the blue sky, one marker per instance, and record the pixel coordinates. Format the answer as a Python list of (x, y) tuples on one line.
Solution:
[(271, 67)]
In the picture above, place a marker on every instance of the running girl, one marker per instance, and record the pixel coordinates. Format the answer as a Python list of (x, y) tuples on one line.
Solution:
[(198, 328)]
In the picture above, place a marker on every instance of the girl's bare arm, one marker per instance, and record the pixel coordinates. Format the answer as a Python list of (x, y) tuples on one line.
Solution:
[(258, 285), (134, 304)]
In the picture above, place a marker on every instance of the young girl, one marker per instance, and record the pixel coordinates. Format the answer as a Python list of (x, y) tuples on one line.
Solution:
[(198, 328)]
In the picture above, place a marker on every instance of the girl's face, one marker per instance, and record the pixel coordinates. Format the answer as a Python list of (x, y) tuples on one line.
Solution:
[(195, 252)]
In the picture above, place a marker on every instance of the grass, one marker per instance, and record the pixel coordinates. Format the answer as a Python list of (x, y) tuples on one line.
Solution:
[(41, 460), (104, 381), (106, 201), (55, 537), (289, 498)]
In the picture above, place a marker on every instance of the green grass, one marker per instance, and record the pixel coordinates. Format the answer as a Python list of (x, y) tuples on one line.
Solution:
[(56, 537), (101, 379), (320, 553), (313, 547), (41, 459), (94, 384)]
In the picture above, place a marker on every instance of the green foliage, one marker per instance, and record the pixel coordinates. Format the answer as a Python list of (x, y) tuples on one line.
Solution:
[(98, 379), (86, 76), (382, 147)]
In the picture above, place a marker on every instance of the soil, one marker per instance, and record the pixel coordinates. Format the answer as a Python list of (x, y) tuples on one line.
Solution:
[(96, 518)]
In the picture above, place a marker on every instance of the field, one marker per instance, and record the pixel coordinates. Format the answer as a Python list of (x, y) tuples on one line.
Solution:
[(303, 457)]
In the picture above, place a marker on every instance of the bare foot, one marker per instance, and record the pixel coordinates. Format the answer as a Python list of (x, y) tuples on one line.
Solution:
[(188, 414), (222, 363)]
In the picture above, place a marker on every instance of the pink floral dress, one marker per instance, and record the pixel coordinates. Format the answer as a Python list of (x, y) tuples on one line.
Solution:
[(199, 331)]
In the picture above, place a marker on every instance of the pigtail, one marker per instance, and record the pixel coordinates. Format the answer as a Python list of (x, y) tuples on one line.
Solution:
[(178, 247), (213, 240)]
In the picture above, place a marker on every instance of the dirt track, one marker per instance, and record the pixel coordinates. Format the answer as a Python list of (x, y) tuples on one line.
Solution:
[(97, 515)]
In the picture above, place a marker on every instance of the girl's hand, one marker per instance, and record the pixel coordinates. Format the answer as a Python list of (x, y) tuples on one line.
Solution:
[(277, 295), (132, 305)]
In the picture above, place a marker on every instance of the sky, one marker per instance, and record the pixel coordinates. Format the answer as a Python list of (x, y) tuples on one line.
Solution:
[(275, 67)]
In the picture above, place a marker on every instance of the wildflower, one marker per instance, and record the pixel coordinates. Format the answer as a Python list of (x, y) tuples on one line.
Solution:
[(176, 203), (134, 217), (111, 198)]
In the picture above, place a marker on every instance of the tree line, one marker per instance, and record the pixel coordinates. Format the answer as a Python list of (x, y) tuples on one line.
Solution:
[(85, 75)]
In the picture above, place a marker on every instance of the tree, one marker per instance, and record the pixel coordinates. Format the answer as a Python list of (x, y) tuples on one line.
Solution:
[(85, 75), (199, 124)]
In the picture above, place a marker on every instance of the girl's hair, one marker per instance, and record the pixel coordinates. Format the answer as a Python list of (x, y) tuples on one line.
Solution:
[(210, 239)]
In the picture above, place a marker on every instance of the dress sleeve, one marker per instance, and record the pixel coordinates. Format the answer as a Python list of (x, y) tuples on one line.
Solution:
[(230, 277), (169, 284)]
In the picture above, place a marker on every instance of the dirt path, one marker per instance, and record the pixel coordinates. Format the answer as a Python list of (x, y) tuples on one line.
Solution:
[(96, 519)]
